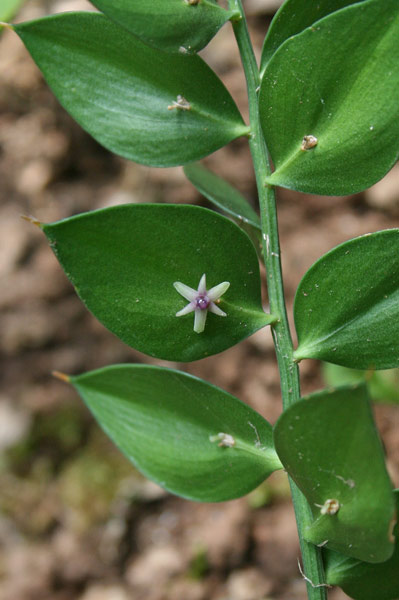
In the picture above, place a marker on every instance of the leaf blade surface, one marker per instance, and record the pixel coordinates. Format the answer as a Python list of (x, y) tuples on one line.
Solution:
[(123, 92), (124, 260), (171, 26), (339, 82), (347, 304), (365, 581), (291, 19), (329, 445), (165, 421)]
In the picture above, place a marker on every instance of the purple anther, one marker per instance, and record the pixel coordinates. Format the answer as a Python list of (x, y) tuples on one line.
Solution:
[(202, 302)]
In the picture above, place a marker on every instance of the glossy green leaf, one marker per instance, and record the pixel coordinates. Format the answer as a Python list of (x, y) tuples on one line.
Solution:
[(329, 445), (126, 94), (383, 386), (292, 18), (361, 580), (222, 194), (168, 424), (9, 8), (337, 82), (124, 261), (347, 305), (173, 26)]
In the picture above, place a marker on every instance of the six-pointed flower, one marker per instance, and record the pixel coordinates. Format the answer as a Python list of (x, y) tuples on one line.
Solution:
[(201, 300)]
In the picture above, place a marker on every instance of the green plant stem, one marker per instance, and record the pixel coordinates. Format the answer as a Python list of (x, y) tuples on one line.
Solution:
[(289, 373)]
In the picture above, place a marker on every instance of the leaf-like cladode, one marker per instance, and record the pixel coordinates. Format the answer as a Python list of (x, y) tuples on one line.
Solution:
[(329, 445), (222, 194), (172, 26), (168, 424), (347, 305), (124, 261), (361, 580), (292, 18), (336, 85), (154, 108), (383, 386)]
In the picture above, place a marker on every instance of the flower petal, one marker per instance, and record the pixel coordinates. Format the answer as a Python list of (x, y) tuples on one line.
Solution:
[(184, 311), (202, 285), (217, 291), (185, 291), (216, 310), (199, 320)]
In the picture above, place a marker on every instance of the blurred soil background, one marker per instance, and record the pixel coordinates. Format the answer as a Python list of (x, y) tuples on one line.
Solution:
[(76, 520)]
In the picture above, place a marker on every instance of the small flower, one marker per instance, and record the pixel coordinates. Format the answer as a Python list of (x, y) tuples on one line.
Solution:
[(201, 300)]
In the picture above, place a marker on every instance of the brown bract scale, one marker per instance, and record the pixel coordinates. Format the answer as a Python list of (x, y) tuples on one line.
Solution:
[(225, 440), (180, 103), (330, 507), (308, 142)]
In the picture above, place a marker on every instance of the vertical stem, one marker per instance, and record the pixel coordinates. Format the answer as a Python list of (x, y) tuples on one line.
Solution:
[(289, 373)]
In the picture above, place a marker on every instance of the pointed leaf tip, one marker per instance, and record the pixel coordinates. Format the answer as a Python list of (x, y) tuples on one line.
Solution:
[(61, 376), (32, 220)]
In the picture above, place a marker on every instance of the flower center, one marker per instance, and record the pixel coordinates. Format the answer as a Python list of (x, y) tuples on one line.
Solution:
[(202, 302)]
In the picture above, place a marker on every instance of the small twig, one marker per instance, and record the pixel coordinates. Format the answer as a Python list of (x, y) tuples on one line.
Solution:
[(314, 585)]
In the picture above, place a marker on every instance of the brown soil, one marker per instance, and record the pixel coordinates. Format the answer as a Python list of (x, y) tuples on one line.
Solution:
[(76, 521)]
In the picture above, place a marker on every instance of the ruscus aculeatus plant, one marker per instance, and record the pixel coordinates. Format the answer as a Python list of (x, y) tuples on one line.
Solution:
[(324, 110)]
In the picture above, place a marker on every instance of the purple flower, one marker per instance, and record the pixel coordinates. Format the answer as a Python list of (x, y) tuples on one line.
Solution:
[(201, 300)]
